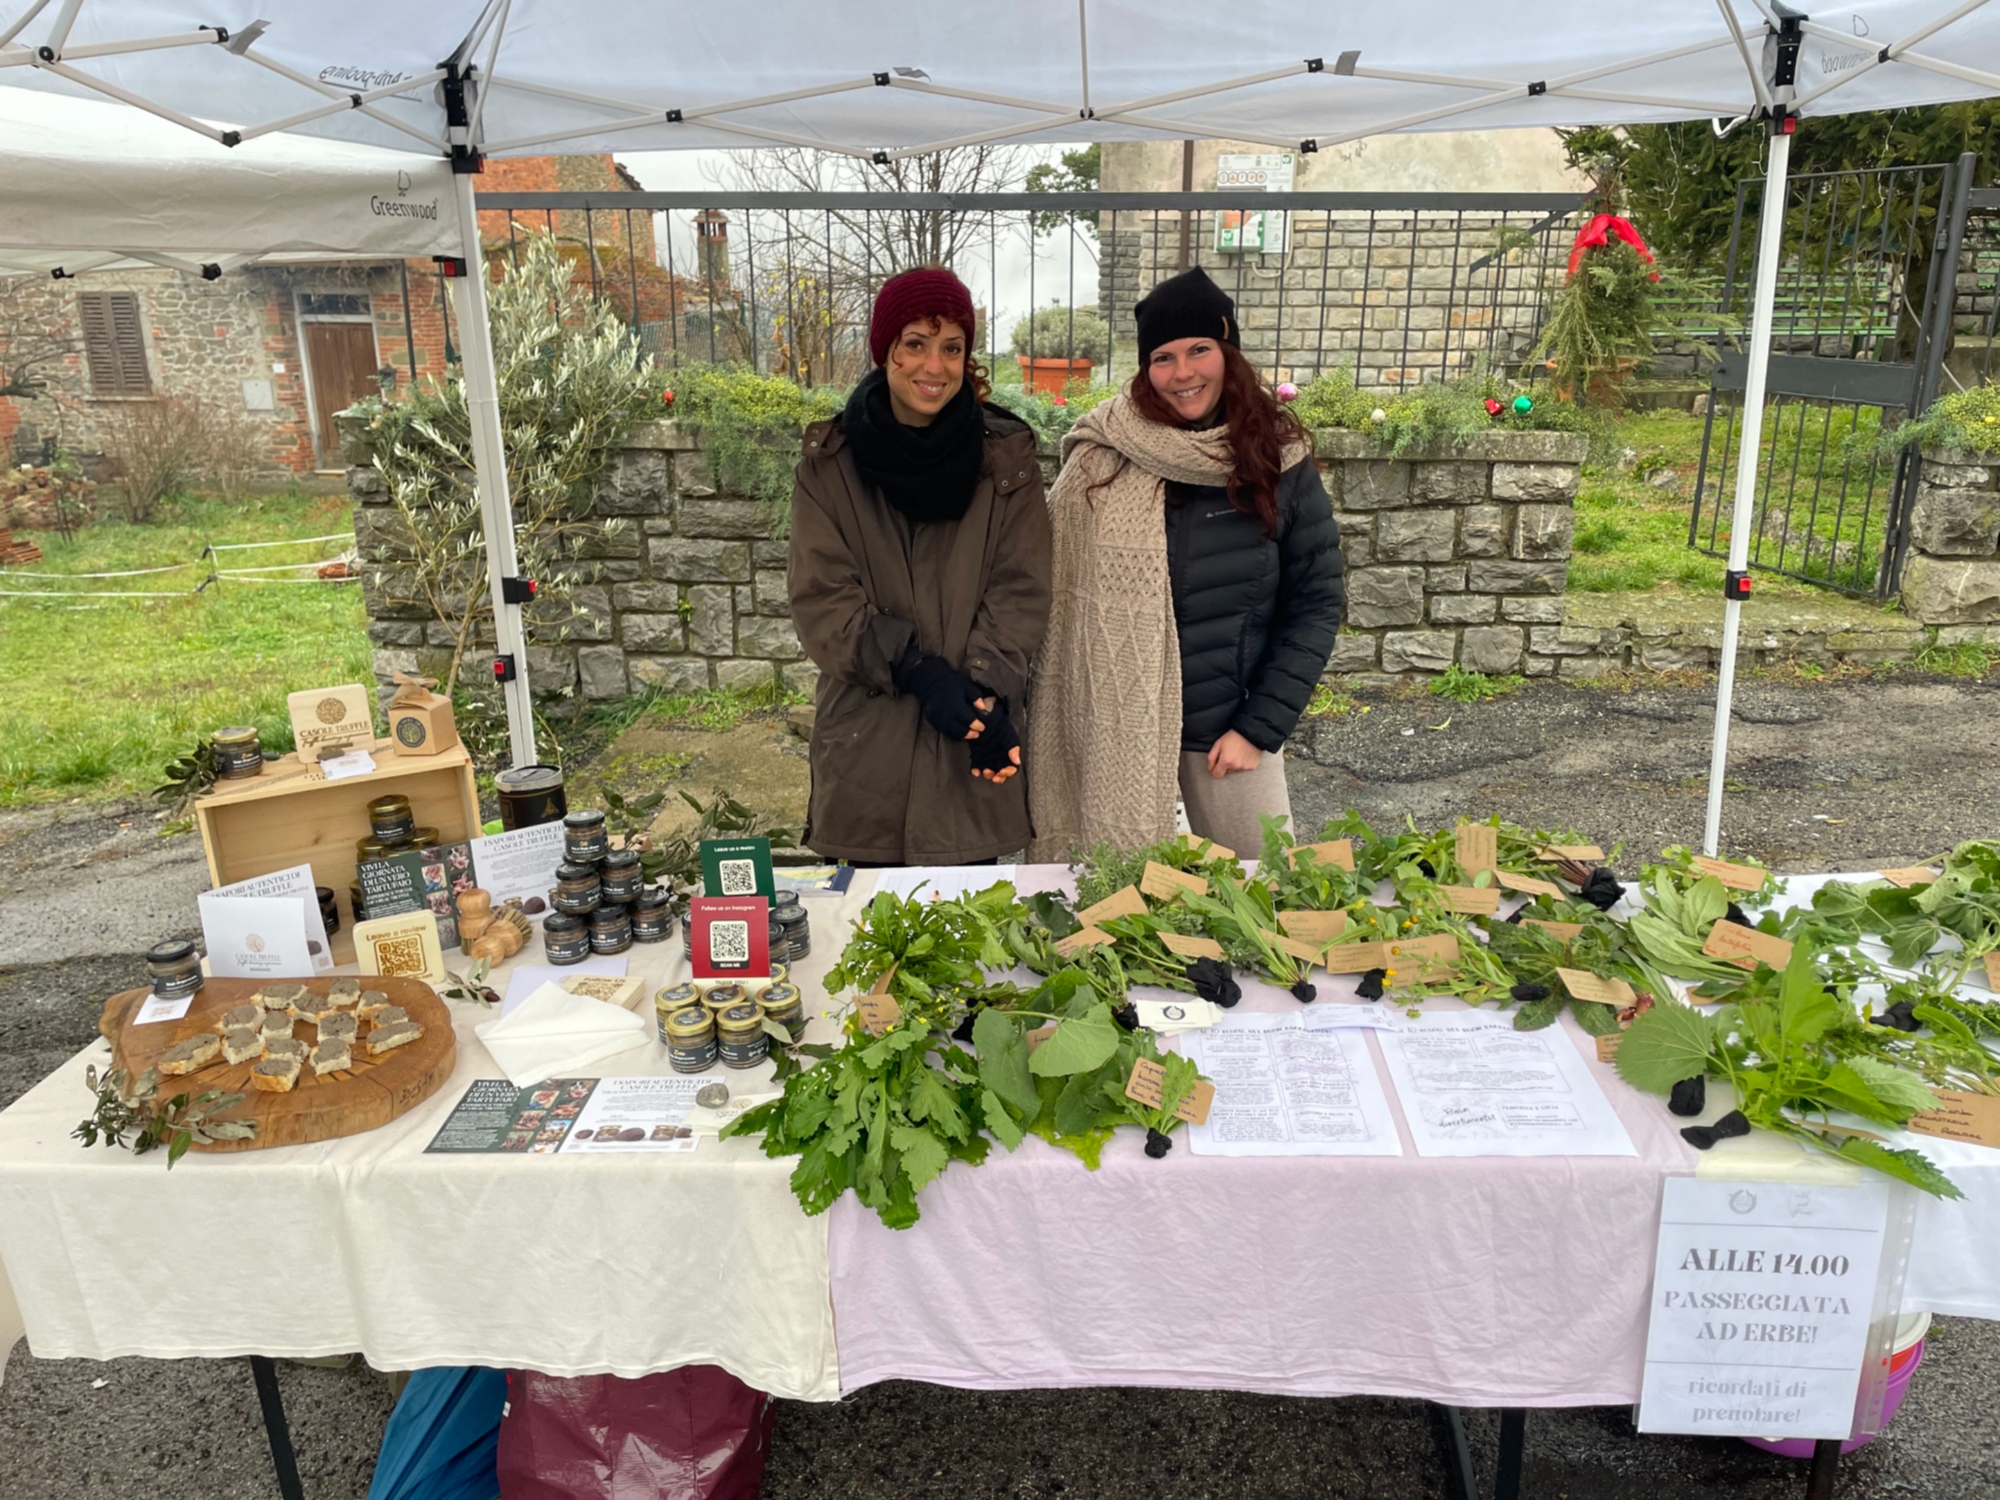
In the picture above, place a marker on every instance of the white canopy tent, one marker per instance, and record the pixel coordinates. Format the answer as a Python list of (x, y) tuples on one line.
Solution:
[(896, 78)]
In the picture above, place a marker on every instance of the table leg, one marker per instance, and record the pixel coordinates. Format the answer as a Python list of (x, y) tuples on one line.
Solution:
[(276, 1429), (1458, 1455), (1513, 1442), (1825, 1464)]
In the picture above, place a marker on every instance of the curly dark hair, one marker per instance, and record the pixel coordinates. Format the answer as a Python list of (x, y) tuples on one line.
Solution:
[(982, 387), (1259, 431)]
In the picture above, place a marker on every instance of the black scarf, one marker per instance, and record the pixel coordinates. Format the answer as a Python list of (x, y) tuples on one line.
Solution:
[(927, 473)]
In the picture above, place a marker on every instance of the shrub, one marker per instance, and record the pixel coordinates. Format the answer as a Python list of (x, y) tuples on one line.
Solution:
[(169, 445), (1435, 414), (749, 426), (1059, 332), (1051, 416), (1968, 421)]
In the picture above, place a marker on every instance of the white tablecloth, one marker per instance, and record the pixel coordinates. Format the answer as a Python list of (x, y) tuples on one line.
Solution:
[(570, 1265)]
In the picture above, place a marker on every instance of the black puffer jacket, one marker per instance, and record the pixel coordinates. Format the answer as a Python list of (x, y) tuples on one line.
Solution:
[(1256, 615)]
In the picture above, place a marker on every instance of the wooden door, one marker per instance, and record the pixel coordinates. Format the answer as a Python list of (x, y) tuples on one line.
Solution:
[(341, 359)]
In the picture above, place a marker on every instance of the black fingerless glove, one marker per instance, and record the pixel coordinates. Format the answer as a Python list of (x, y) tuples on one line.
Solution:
[(990, 750), (949, 697)]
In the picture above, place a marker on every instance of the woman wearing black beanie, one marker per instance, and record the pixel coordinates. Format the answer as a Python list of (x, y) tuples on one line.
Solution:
[(919, 583), (1197, 591)]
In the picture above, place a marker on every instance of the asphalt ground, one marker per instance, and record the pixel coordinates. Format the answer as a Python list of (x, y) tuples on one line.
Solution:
[(1847, 775)]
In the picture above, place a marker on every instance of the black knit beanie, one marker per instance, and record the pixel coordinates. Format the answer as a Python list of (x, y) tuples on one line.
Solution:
[(1187, 306)]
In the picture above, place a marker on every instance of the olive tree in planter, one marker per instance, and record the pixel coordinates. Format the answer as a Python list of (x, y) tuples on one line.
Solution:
[(1058, 345)]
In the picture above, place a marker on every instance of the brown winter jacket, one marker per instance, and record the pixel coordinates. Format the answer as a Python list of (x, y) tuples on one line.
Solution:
[(866, 581)]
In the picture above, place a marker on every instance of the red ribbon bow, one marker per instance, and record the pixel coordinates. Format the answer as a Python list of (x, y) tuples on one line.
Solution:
[(1599, 231)]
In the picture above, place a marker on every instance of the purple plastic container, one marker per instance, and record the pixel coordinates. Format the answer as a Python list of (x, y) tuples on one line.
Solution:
[(1892, 1398)]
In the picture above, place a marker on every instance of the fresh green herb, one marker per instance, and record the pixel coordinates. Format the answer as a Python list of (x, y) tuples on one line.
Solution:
[(128, 1107)]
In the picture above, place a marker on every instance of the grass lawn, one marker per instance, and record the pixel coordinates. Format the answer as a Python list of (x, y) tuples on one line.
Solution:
[(101, 694)]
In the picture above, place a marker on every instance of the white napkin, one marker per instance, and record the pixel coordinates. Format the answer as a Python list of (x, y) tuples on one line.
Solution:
[(553, 1034)]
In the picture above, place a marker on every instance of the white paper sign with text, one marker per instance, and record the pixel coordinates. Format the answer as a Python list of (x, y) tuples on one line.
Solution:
[(1763, 1293)]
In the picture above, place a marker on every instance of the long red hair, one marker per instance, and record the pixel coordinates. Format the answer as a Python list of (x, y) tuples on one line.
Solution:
[(1259, 432)]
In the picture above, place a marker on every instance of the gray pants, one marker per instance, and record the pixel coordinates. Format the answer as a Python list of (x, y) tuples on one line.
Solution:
[(1228, 810)]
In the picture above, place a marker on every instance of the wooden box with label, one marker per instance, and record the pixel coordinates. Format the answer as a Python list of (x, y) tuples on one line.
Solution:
[(292, 815)]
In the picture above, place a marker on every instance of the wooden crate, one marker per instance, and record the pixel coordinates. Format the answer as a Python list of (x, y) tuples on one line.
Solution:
[(291, 815)]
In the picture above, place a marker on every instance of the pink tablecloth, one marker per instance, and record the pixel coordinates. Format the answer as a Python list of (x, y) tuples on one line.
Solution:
[(1482, 1282)]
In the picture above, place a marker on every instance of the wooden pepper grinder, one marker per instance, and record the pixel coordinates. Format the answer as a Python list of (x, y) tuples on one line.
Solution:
[(475, 915)]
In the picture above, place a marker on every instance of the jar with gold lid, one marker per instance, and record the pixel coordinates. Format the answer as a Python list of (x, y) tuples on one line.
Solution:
[(740, 1036), (691, 1041), (391, 820), (784, 1004), (238, 752)]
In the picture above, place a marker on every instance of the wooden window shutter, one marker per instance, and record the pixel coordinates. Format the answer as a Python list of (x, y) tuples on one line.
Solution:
[(114, 343)]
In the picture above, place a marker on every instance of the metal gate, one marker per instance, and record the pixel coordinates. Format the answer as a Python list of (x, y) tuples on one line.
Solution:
[(1867, 284)]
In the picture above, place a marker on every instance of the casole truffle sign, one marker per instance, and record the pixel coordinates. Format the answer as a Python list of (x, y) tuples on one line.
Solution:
[(1763, 1293)]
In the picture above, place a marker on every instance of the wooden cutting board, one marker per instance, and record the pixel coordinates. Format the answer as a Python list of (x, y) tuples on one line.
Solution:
[(317, 1109)]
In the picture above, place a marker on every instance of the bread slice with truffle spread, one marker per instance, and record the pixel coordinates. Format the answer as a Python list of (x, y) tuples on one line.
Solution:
[(185, 1057), (242, 1044), (241, 1017), (338, 1025), (344, 993), (275, 1075), (307, 1006), (371, 1002), (388, 1015), (279, 996), (277, 1023), (331, 1056), (287, 1048), (387, 1038)]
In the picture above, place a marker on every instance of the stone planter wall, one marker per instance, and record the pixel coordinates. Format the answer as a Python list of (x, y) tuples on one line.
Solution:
[(1456, 556), (1951, 578), (1452, 557)]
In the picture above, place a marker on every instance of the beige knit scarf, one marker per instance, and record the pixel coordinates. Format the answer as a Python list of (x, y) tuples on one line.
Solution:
[(1104, 727)]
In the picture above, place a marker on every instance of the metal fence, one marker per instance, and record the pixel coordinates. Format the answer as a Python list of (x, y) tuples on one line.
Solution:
[(1395, 288), (1867, 299)]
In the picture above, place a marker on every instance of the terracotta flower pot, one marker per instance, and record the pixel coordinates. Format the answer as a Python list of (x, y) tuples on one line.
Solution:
[(1052, 376)]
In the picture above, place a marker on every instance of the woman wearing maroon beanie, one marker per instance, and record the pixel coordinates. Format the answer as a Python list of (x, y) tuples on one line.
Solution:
[(920, 588)]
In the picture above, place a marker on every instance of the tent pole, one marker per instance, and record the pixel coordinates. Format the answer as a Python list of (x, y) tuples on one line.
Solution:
[(489, 459), (1764, 293)]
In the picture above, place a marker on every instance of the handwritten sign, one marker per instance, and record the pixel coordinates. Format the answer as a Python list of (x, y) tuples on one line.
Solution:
[(1567, 931), (1478, 847), (878, 1008), (1607, 1046), (1421, 960), (1148, 1085), (1528, 885), (1584, 985), (1910, 875), (1569, 851), (1318, 927), (1215, 850), (1164, 882), (1125, 903), (1082, 938), (1736, 877), (1746, 947), (1471, 900), (1332, 852), (1355, 958), (1191, 947), (1299, 948), (1962, 1117), (1761, 1301)]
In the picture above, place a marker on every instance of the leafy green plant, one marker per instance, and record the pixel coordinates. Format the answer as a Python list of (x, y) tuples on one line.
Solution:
[(125, 1106), (1059, 332), (675, 861), (188, 777), (1436, 415), (1463, 686), (1674, 925), (1961, 421), (749, 426), (1052, 417), (1792, 1061)]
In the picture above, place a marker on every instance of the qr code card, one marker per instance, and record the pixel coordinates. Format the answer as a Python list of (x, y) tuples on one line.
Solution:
[(738, 877), (729, 943)]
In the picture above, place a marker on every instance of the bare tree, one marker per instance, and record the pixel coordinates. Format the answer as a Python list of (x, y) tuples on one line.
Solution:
[(35, 333)]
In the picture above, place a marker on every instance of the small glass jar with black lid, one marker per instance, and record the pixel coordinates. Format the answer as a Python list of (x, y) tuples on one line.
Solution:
[(652, 916), (391, 820), (238, 752), (623, 879), (611, 928), (584, 840), (565, 939), (578, 889), (174, 969), (740, 1033)]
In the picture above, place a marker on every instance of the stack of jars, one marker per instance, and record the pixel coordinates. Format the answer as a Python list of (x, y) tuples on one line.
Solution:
[(726, 1022), (392, 829), (602, 902)]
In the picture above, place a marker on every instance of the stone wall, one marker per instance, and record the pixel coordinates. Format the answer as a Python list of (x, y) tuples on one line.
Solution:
[(1459, 557), (1455, 557), (1951, 577)]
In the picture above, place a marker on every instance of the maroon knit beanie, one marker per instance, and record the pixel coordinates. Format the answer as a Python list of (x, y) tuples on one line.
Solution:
[(927, 292)]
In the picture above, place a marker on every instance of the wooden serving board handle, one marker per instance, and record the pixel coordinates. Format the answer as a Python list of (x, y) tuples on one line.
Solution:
[(117, 1010)]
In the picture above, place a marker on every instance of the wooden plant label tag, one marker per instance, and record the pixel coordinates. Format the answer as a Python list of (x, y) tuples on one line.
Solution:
[(1332, 852), (878, 1008), (1423, 958), (1164, 883), (1125, 903), (1299, 948), (1570, 851), (1147, 1086), (1039, 1035), (1320, 927), (1910, 875), (1736, 877), (1083, 937), (1528, 885), (1215, 850), (1993, 971), (1478, 847), (1191, 947), (1472, 900), (1584, 985), (1355, 958), (1746, 947), (1961, 1117), (1607, 1046), (1567, 931)]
